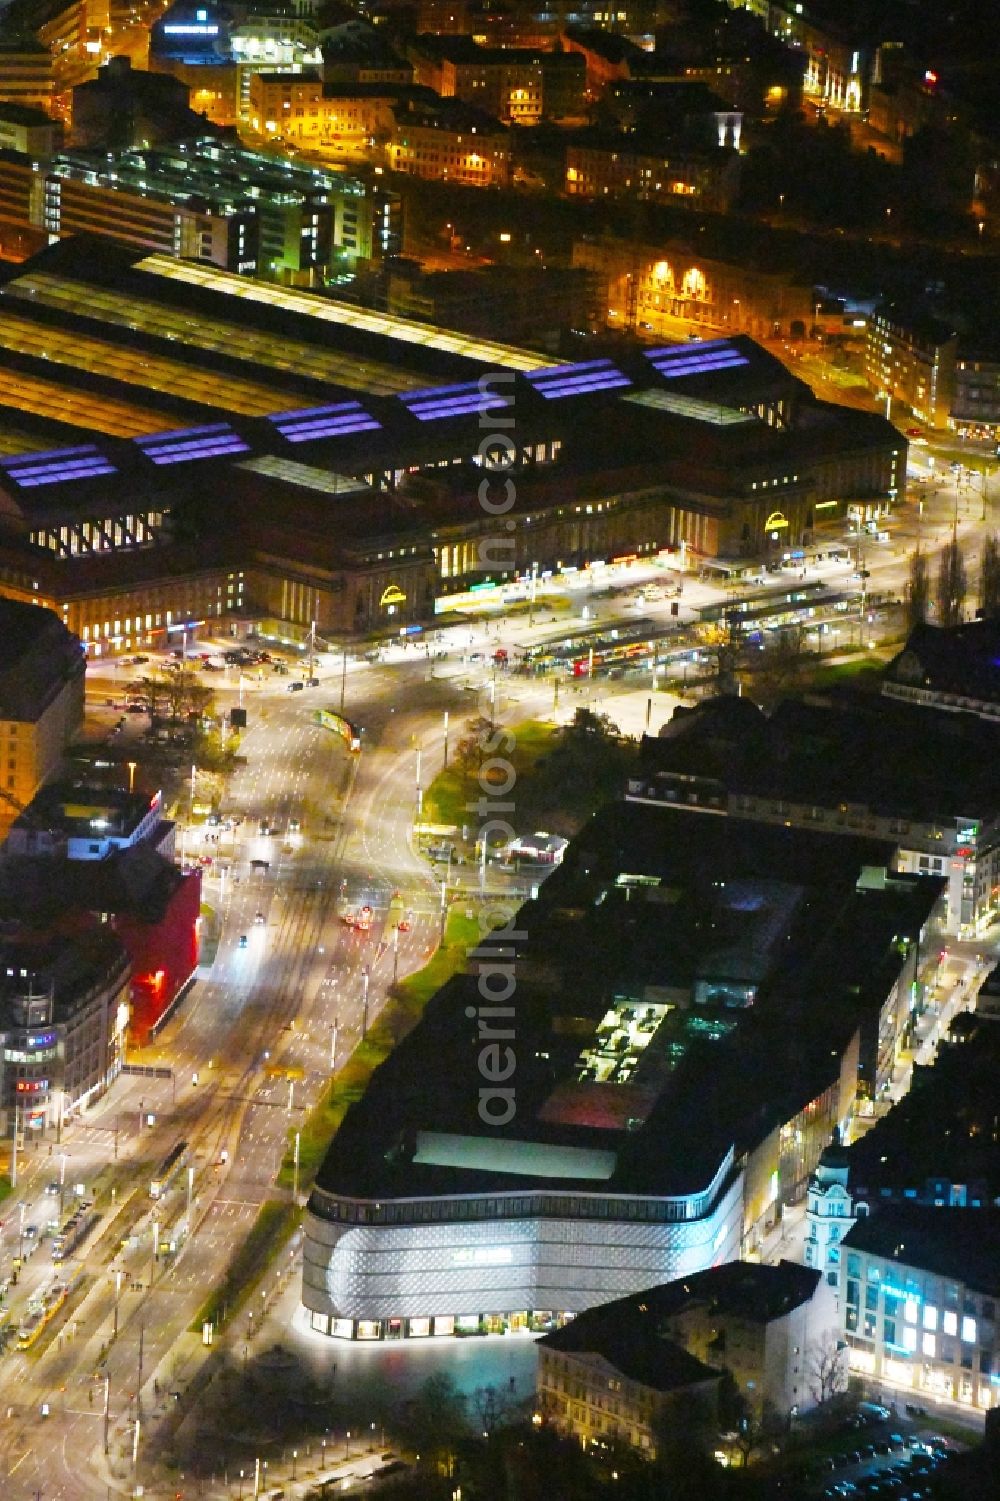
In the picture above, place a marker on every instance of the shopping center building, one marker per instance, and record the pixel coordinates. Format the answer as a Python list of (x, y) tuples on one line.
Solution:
[(645, 1072)]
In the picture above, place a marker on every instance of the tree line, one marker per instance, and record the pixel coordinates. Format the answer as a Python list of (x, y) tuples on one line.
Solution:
[(943, 590)]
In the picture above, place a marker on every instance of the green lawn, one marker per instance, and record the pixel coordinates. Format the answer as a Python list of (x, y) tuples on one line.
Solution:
[(461, 933), (861, 671), (268, 1233), (446, 799)]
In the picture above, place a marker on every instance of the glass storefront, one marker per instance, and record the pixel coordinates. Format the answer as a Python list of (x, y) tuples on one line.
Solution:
[(522, 1321)]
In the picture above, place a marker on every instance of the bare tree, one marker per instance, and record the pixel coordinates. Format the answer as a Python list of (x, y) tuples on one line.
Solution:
[(952, 583), (989, 577), (826, 1366), (918, 590), (173, 692), (470, 752), (492, 1407)]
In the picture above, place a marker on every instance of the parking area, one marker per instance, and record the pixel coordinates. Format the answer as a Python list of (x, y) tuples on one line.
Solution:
[(878, 1459)]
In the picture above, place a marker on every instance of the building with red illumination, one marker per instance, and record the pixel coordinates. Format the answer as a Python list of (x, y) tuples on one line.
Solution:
[(149, 904)]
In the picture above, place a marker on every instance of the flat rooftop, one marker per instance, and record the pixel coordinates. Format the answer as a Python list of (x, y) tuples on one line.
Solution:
[(963, 1244), (78, 810), (828, 749), (675, 997)]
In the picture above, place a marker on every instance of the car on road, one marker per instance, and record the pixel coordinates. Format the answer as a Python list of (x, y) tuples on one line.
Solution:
[(312, 682), (244, 940), (404, 924), (294, 826), (295, 687), (258, 918), (53, 1187)]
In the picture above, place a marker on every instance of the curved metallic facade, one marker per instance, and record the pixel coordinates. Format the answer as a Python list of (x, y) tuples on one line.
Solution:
[(492, 1261)]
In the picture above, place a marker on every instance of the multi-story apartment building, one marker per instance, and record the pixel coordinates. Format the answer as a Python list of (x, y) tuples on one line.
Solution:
[(829, 1212), (824, 766), (517, 85), (26, 130), (64, 1012), (205, 200), (912, 360), (41, 700), (615, 165), (920, 1294), (975, 405), (356, 118), (26, 73), (616, 1369), (445, 140)]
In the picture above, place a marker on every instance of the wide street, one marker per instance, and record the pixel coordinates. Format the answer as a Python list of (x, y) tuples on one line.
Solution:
[(288, 988)]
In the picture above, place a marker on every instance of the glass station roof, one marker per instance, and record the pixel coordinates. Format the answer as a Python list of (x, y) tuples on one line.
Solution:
[(180, 325), (89, 409), (691, 406), (135, 366), (483, 351)]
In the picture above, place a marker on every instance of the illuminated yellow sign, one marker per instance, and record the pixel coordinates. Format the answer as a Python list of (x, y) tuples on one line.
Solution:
[(775, 521), (393, 595)]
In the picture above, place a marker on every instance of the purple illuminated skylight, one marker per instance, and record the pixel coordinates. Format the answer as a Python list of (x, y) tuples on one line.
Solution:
[(676, 368), (456, 406), (58, 475), (16, 460), (678, 351), (303, 414), (56, 465), (561, 373), (330, 428), (199, 448), (210, 441), (601, 380), (435, 393)]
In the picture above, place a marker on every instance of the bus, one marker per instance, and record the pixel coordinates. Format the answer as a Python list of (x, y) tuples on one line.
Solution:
[(160, 1181)]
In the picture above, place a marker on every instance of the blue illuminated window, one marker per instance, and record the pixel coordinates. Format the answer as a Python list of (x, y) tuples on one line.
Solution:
[(577, 380), (677, 360), (209, 442), (324, 422), (54, 466), (435, 402)]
